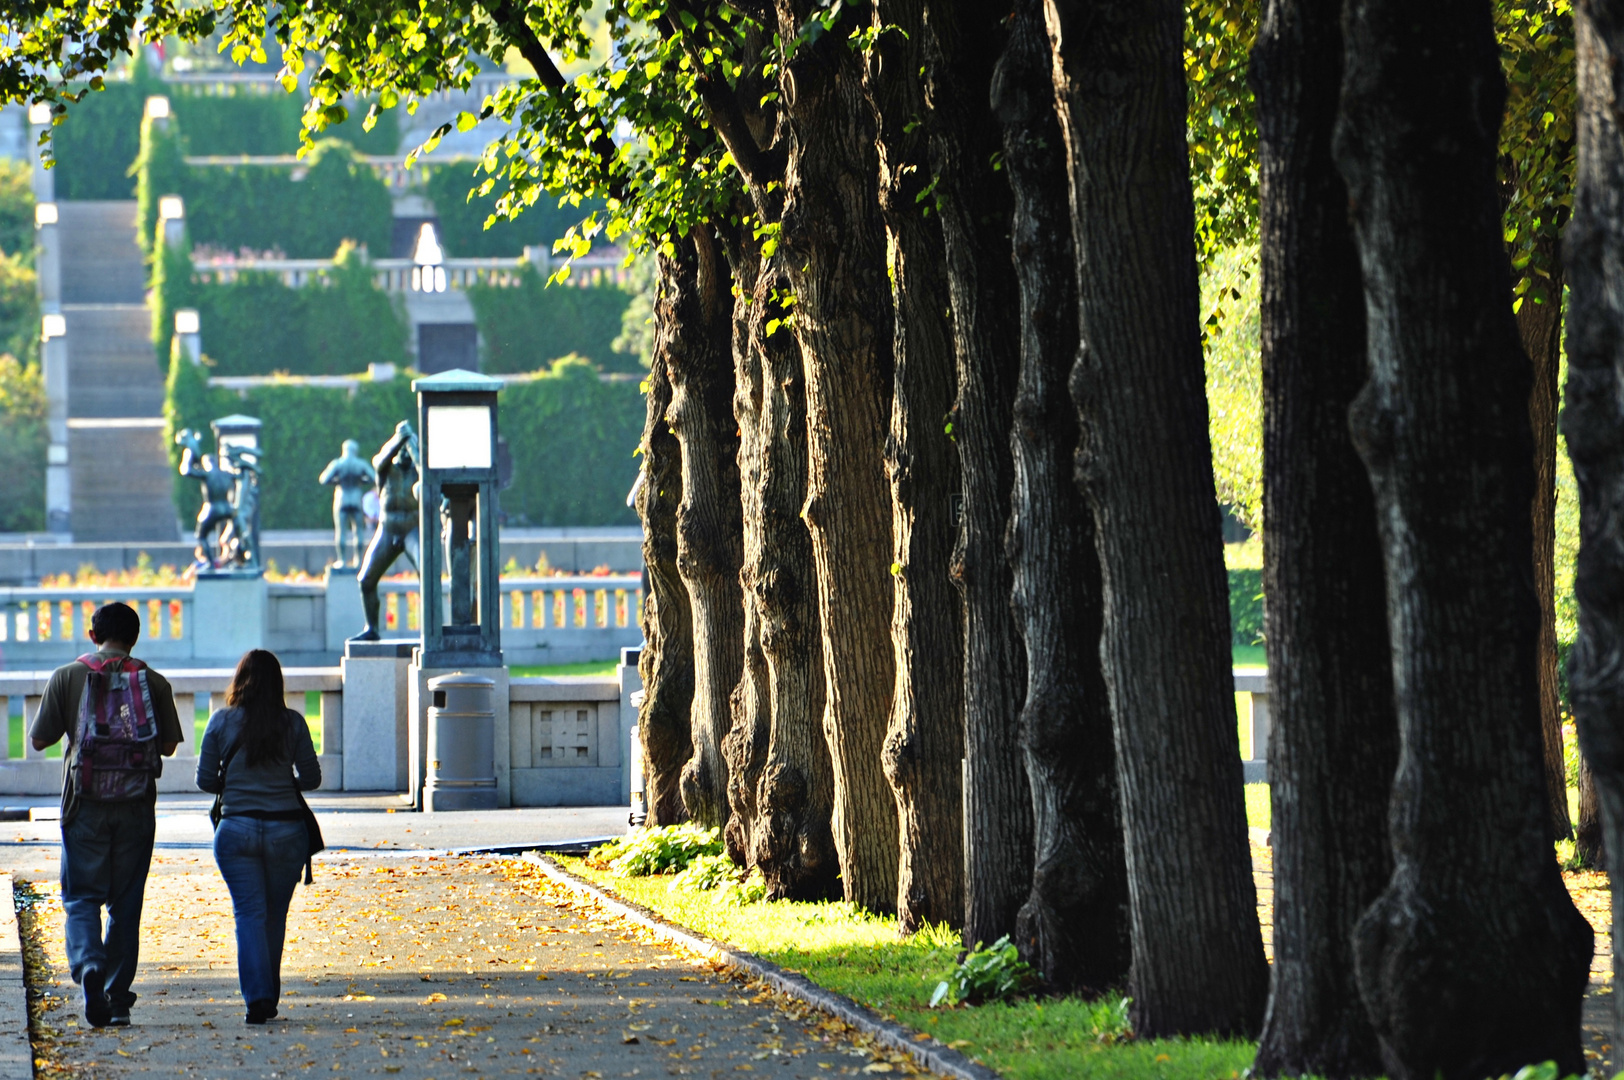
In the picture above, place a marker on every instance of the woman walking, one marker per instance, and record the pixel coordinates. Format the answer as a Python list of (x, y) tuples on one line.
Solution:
[(257, 757)]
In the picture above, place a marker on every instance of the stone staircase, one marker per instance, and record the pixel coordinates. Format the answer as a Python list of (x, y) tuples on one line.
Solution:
[(118, 463)]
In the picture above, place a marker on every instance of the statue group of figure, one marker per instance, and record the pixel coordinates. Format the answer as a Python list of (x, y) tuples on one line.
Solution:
[(228, 523), (394, 473)]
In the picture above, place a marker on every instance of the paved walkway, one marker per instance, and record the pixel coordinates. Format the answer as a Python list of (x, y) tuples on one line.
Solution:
[(427, 968)]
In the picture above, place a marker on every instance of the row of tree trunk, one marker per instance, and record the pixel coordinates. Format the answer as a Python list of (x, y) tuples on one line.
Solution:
[(936, 609)]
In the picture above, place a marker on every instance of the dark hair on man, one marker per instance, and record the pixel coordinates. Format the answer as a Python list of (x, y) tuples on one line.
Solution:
[(257, 689), (116, 622)]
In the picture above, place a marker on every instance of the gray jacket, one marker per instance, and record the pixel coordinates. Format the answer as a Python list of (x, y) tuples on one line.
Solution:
[(265, 787)]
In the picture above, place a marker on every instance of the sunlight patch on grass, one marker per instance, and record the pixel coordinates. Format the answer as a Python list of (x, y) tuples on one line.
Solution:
[(862, 956)]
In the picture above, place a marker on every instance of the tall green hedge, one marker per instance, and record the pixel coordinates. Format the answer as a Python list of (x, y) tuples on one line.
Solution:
[(462, 219), (1246, 606), (571, 435), (336, 197), (96, 146), (525, 324), (338, 322)]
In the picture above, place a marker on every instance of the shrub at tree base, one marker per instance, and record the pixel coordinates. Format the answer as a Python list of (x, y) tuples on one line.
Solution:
[(993, 973), (665, 850)]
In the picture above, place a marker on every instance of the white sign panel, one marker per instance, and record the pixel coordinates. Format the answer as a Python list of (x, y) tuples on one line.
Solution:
[(459, 437)]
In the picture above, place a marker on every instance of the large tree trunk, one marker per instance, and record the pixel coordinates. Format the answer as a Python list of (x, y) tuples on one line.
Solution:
[(793, 844), (745, 747), (1589, 836), (1539, 325), (1593, 422), (831, 239), (1474, 960), (1145, 465), (666, 664), (1073, 926), (963, 40), (1334, 746), (924, 745), (696, 306)]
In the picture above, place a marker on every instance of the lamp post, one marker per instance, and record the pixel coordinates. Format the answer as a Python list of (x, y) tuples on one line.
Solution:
[(461, 619)]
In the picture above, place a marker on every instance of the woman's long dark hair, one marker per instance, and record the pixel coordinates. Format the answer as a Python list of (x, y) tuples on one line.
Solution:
[(256, 688)]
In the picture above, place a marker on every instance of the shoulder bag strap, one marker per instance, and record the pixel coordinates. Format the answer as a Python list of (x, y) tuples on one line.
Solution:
[(220, 796)]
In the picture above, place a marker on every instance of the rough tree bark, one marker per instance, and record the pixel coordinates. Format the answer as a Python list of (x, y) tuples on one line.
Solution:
[(1474, 960), (1593, 423), (963, 40), (1144, 463), (745, 747), (831, 239), (1073, 925), (1334, 747), (1589, 836), (696, 305), (666, 664), (924, 745), (792, 842), (1539, 325)]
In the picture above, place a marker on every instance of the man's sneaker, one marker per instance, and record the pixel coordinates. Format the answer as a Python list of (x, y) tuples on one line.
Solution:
[(118, 1019), (97, 1009)]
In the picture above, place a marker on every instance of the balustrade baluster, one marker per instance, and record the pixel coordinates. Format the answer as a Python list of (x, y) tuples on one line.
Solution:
[(31, 704), (5, 728), (332, 721), (186, 713)]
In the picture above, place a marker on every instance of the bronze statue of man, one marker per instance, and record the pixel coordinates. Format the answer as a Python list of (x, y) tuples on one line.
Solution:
[(218, 484), (396, 468), (350, 476)]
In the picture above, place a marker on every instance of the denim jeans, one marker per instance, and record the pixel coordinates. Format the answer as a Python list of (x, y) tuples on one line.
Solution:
[(106, 851), (261, 862)]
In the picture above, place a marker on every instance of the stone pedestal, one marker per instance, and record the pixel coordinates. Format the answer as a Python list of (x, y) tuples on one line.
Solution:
[(418, 714), (230, 611), (345, 616), (376, 698)]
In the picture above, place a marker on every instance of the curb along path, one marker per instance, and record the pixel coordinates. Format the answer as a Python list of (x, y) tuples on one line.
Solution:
[(428, 969), (928, 1052)]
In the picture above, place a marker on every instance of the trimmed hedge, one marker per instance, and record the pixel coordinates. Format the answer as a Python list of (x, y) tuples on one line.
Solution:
[(462, 219), (255, 325), (525, 324), (1246, 606), (572, 438), (262, 207), (97, 145)]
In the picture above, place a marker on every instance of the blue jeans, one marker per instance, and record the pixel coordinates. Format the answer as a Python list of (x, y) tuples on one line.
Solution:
[(106, 850), (261, 862)]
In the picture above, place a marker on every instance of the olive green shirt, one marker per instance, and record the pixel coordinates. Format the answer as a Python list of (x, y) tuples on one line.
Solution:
[(59, 712)]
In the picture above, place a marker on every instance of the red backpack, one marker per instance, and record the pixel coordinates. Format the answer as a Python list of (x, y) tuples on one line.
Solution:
[(116, 751)]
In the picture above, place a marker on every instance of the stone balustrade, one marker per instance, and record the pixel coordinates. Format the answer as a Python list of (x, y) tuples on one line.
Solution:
[(396, 275), (563, 741), (211, 622)]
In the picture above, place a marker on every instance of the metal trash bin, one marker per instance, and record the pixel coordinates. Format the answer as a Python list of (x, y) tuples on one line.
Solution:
[(462, 744)]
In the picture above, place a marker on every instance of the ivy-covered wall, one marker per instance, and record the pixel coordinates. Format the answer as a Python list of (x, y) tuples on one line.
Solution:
[(462, 219), (96, 146), (572, 437), (524, 325), (336, 197)]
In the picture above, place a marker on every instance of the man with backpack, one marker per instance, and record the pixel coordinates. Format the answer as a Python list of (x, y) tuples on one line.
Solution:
[(119, 719)]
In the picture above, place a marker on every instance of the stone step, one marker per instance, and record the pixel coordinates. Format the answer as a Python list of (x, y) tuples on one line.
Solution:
[(101, 260), (111, 367), (121, 480)]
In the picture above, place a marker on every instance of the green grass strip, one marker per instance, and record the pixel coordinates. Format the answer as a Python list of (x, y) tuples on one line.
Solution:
[(863, 957)]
